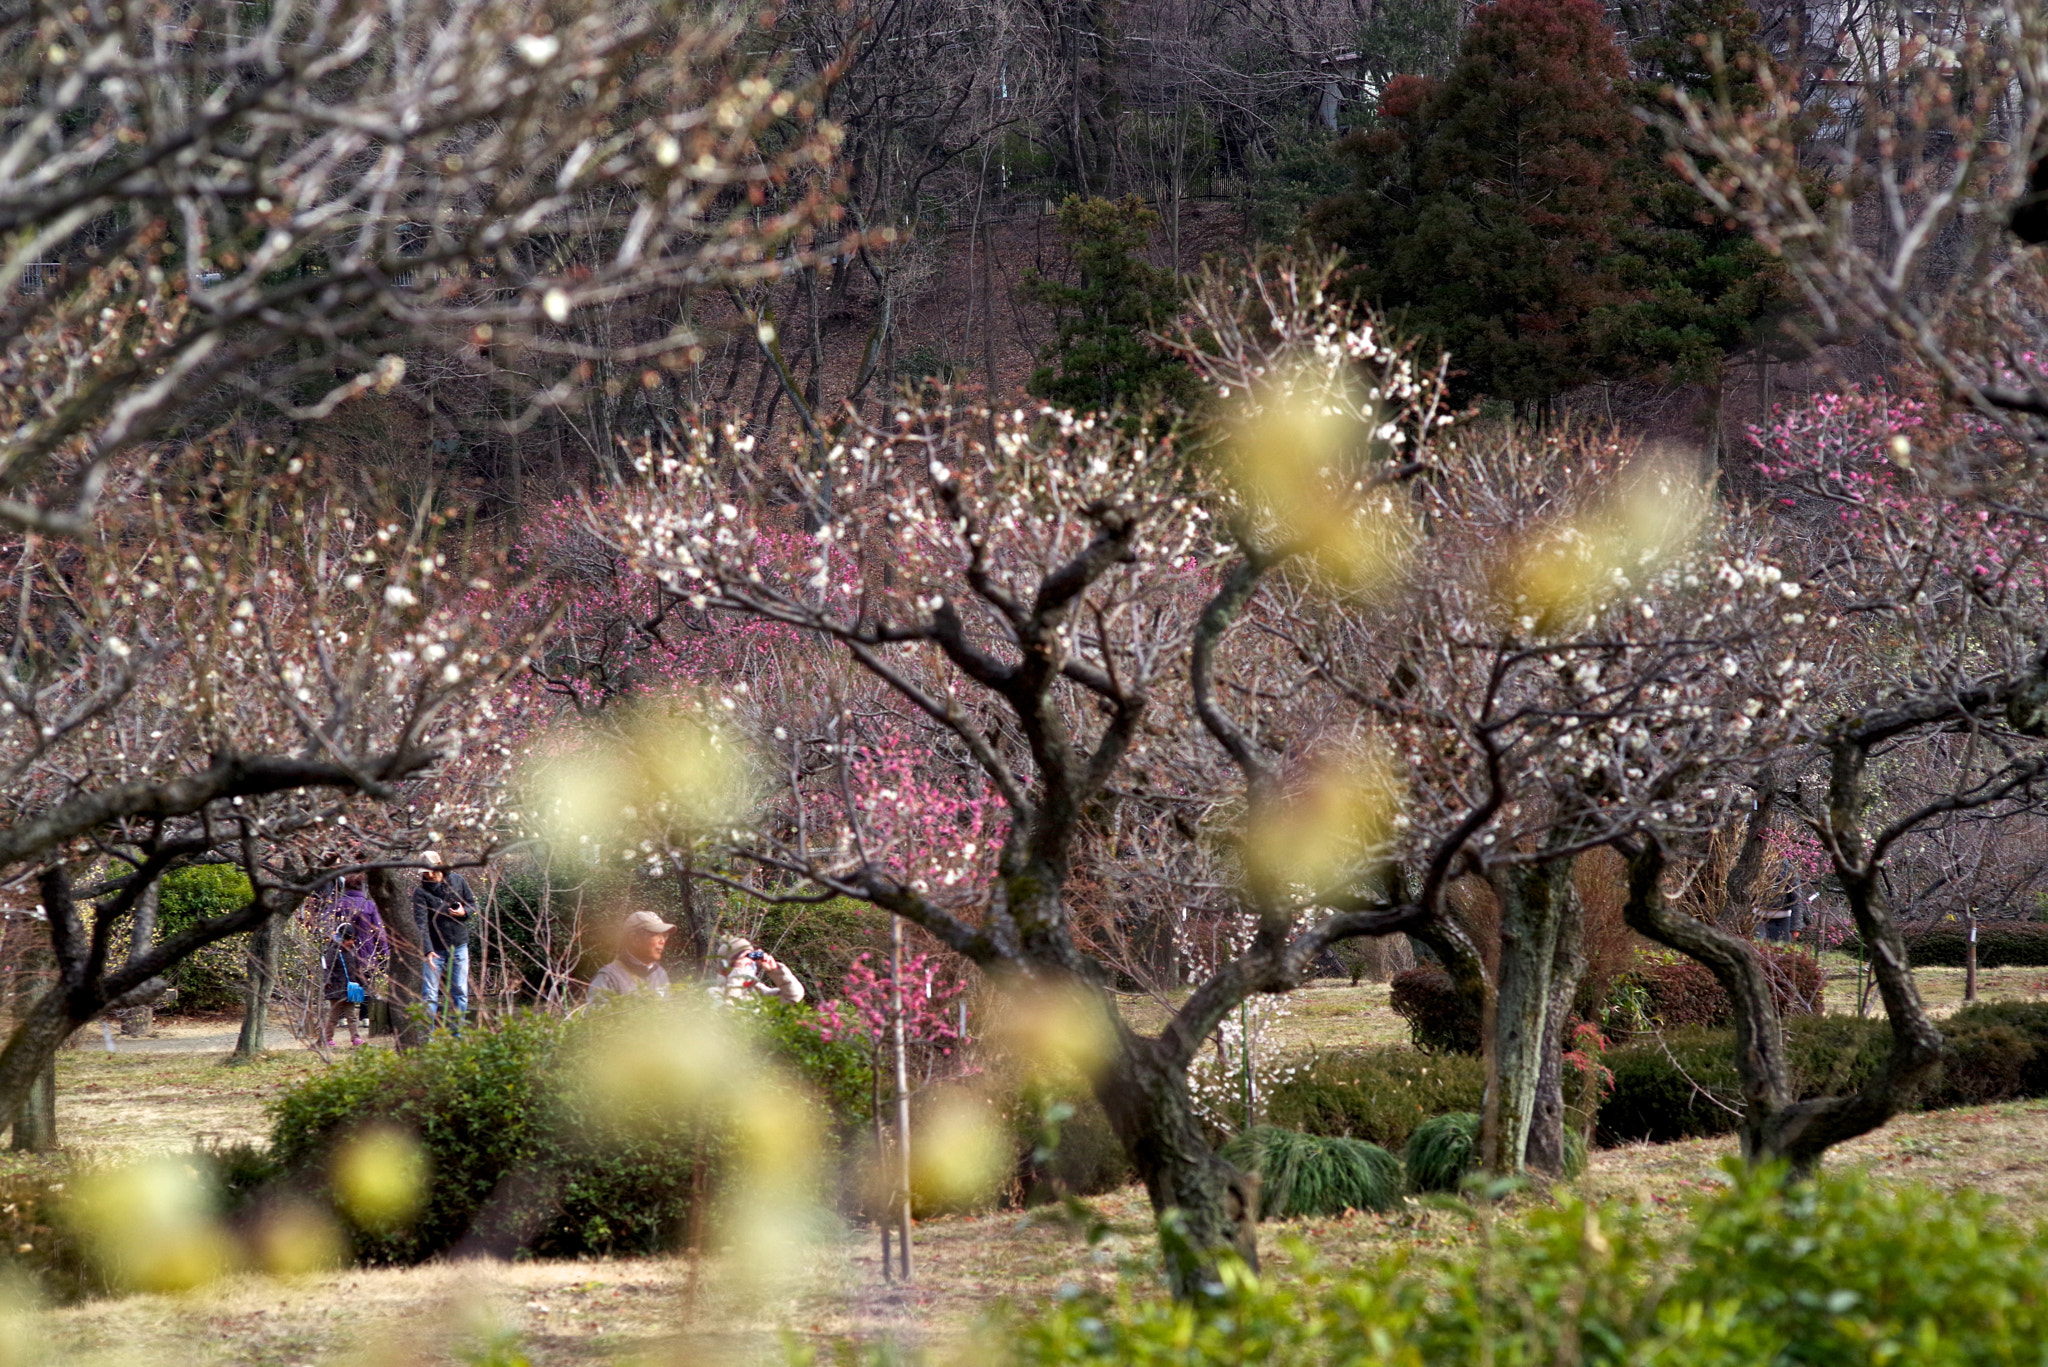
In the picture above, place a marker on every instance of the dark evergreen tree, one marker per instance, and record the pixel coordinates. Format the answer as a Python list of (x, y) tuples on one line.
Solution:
[(1103, 357), (1703, 288), (1486, 207)]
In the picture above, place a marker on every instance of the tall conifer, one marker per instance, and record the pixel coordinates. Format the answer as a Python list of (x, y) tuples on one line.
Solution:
[(1487, 207), (1703, 289)]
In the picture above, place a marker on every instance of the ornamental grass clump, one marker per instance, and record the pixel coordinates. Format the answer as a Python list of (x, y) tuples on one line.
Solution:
[(1442, 1151), (1305, 1174)]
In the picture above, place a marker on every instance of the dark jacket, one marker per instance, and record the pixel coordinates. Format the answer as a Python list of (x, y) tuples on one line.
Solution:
[(435, 908), (342, 969)]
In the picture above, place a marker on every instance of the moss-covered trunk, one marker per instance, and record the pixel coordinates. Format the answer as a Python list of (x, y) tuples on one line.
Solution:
[(1533, 902), (1206, 1208), (1545, 1150)]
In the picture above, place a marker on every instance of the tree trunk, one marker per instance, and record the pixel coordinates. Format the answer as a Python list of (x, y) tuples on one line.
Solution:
[(1207, 1209), (1774, 1124), (902, 1096), (1716, 404), (256, 1001), (138, 1021), (1738, 906), (1760, 1061), (700, 920), (35, 1129), (1545, 1151), (1969, 958), (1532, 903), (408, 967)]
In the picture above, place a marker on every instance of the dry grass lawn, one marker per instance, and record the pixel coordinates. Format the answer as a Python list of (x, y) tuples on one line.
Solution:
[(567, 1314), (577, 1314), (115, 1103)]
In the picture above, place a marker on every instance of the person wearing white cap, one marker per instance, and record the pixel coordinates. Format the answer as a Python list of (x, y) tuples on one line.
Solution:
[(746, 974), (638, 965)]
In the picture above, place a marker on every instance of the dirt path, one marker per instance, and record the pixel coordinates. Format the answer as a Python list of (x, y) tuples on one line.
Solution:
[(96, 1039)]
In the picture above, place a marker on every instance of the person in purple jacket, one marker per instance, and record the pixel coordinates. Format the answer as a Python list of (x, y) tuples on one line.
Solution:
[(356, 908)]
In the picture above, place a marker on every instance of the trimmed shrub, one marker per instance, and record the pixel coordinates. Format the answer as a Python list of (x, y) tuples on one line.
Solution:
[(1441, 1019), (838, 1070), (1686, 1085), (211, 979), (1378, 1095), (523, 1158), (38, 1245), (1304, 1174), (1683, 1085), (1442, 1151), (1065, 1146), (1683, 992), (2000, 944), (1992, 1051)]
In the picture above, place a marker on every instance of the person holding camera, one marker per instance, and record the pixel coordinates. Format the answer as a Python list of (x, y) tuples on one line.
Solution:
[(637, 968), (746, 974), (442, 907)]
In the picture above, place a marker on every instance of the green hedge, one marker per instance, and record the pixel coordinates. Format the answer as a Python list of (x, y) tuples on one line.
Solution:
[(1065, 1147), (1680, 1087), (1441, 1019), (1378, 1095), (1832, 1273), (213, 978), (522, 1156), (1687, 1086), (2000, 944)]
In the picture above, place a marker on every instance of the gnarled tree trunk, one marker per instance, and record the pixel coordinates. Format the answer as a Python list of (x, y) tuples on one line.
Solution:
[(1206, 1207), (1776, 1124)]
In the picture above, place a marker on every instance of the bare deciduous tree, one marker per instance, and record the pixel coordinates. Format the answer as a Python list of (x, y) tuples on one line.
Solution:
[(274, 679), (271, 206)]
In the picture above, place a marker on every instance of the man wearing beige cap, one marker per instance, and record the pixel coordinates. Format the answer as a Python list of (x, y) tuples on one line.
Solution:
[(638, 965)]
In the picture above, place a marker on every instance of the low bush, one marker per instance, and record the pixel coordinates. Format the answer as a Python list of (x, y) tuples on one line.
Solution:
[(1442, 1151), (523, 1154), (1684, 1084), (1993, 1051), (1305, 1174), (211, 979), (38, 1246), (1835, 1271), (1378, 1095), (2000, 944), (1065, 1147), (1683, 992), (1441, 1019)]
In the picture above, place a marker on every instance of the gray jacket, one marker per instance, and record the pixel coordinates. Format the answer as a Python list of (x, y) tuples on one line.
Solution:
[(617, 979)]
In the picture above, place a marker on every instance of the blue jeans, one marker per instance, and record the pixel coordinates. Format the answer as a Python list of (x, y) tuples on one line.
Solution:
[(456, 962)]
